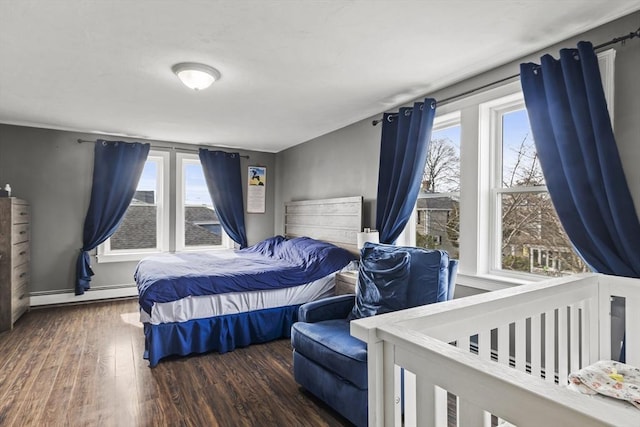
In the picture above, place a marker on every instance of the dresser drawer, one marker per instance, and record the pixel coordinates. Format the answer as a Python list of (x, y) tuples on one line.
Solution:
[(15, 262), (20, 213), (19, 301), (20, 233), (19, 275), (19, 254)]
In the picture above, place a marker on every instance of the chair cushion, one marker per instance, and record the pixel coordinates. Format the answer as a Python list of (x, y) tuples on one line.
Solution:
[(383, 281), (428, 273), (330, 345), (429, 277)]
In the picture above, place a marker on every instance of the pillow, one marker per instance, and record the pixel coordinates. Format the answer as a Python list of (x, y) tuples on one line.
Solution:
[(383, 281), (429, 274), (267, 247), (312, 254)]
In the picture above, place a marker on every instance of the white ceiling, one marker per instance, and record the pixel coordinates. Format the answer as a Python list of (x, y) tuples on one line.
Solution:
[(291, 70)]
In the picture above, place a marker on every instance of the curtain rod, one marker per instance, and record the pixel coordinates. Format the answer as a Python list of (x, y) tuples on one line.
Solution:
[(620, 39), (188, 150)]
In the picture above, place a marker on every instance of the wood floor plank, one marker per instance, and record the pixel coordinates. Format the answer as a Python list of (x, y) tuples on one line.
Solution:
[(70, 351), (82, 365)]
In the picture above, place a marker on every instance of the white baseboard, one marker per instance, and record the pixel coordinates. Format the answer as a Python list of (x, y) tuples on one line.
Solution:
[(90, 295)]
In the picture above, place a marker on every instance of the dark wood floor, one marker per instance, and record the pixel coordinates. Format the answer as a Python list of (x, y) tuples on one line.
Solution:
[(82, 365)]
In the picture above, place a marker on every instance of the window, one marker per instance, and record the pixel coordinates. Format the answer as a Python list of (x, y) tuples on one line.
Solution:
[(504, 229), (528, 237), (144, 227), (197, 224), (437, 215)]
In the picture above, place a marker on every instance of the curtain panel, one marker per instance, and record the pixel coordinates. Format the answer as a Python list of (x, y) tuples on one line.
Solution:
[(403, 154), (224, 181), (580, 161), (117, 167)]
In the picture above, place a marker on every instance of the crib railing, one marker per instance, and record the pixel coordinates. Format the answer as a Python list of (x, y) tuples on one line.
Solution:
[(504, 354)]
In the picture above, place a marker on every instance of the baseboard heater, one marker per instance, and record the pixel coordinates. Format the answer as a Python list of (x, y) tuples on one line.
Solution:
[(38, 299)]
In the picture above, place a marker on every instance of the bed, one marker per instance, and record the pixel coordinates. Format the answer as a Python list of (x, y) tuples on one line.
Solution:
[(219, 300), (505, 357)]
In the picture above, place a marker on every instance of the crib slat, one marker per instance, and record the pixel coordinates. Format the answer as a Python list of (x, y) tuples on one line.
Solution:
[(563, 344), (410, 401), (536, 344), (386, 395), (484, 345), (632, 326), (593, 327), (574, 336), (584, 336), (549, 346), (433, 414), (503, 344), (398, 372), (470, 415), (463, 343), (521, 344), (442, 409)]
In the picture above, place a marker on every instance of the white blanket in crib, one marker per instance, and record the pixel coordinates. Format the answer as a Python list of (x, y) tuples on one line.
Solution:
[(608, 378)]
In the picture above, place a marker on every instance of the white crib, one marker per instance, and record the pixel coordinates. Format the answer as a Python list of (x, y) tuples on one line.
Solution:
[(512, 352)]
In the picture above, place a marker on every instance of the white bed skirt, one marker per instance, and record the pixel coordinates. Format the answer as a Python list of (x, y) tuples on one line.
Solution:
[(201, 307)]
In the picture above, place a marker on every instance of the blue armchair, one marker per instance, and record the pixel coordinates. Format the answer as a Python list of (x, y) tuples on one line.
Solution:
[(327, 360)]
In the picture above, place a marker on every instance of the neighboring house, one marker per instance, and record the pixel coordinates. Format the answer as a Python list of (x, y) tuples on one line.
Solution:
[(437, 221), (137, 230), (553, 260), (533, 240), (144, 196), (201, 226), (138, 227)]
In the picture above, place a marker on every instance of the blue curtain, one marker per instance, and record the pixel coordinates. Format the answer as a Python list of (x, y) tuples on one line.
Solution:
[(580, 161), (224, 181), (403, 155), (117, 167)]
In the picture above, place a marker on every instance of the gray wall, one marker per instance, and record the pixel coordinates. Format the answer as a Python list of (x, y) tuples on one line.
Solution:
[(345, 162), (53, 172), (339, 164)]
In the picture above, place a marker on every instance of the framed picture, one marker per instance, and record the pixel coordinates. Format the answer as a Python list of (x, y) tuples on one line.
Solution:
[(257, 189)]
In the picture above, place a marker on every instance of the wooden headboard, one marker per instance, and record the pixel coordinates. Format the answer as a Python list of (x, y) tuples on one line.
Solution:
[(335, 221)]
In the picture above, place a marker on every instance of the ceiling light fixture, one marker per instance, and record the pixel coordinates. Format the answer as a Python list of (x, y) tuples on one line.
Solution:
[(196, 76)]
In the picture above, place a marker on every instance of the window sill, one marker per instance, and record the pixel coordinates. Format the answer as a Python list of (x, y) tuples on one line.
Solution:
[(137, 256), (203, 249), (124, 257)]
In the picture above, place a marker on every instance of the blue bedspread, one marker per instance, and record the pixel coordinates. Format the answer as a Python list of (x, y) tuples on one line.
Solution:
[(271, 264)]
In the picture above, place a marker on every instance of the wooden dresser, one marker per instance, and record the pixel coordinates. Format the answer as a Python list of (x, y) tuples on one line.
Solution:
[(14, 260)]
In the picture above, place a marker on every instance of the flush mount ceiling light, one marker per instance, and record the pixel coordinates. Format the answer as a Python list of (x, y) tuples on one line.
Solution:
[(196, 76)]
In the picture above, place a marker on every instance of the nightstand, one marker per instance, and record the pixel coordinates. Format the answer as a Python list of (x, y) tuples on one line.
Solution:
[(346, 282)]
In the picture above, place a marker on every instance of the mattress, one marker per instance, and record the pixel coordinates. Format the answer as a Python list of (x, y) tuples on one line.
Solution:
[(204, 306), (273, 264)]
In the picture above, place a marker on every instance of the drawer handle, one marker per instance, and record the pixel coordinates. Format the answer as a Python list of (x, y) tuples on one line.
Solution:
[(22, 275), (21, 297), (23, 213), (22, 253), (23, 232)]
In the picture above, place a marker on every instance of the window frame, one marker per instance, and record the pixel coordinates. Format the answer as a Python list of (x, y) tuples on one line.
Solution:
[(105, 254), (496, 109), (183, 159)]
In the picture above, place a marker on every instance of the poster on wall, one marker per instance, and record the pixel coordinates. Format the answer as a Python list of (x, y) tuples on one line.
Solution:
[(256, 193)]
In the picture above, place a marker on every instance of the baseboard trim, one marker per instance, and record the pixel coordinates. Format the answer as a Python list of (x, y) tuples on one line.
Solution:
[(90, 295)]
